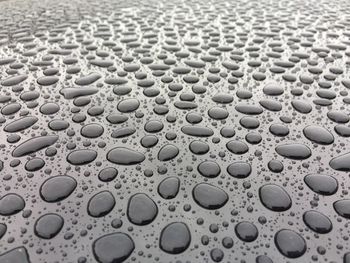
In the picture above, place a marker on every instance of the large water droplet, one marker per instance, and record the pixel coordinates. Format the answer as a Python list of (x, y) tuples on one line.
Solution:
[(275, 198), (175, 238), (209, 196), (113, 248), (142, 210), (290, 243)]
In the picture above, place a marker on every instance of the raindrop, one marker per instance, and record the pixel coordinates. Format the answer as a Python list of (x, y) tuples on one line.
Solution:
[(175, 238), (290, 243)]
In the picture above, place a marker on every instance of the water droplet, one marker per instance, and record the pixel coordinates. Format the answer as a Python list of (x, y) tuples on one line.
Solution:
[(48, 226), (57, 188), (209, 196), (290, 243), (275, 198), (246, 231), (294, 151), (101, 204), (11, 204), (175, 238), (142, 210), (113, 248), (169, 187), (125, 156), (317, 222)]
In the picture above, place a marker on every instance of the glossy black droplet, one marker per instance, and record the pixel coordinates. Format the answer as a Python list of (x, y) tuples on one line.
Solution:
[(175, 238), (57, 188), (321, 184), (318, 134), (275, 198), (237, 147), (341, 162), (16, 255), (113, 248), (317, 222), (168, 152), (290, 243), (108, 174), (209, 196), (239, 169), (92, 130), (246, 231), (342, 207), (100, 204), (199, 147), (33, 145), (294, 151), (11, 204), (209, 169), (169, 187), (81, 157), (142, 210), (48, 226), (124, 156)]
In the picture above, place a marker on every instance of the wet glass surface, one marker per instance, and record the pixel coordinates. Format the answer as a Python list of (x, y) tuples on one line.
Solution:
[(174, 131)]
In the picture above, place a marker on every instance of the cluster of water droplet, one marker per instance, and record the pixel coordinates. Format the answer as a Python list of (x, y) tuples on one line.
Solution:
[(174, 131)]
